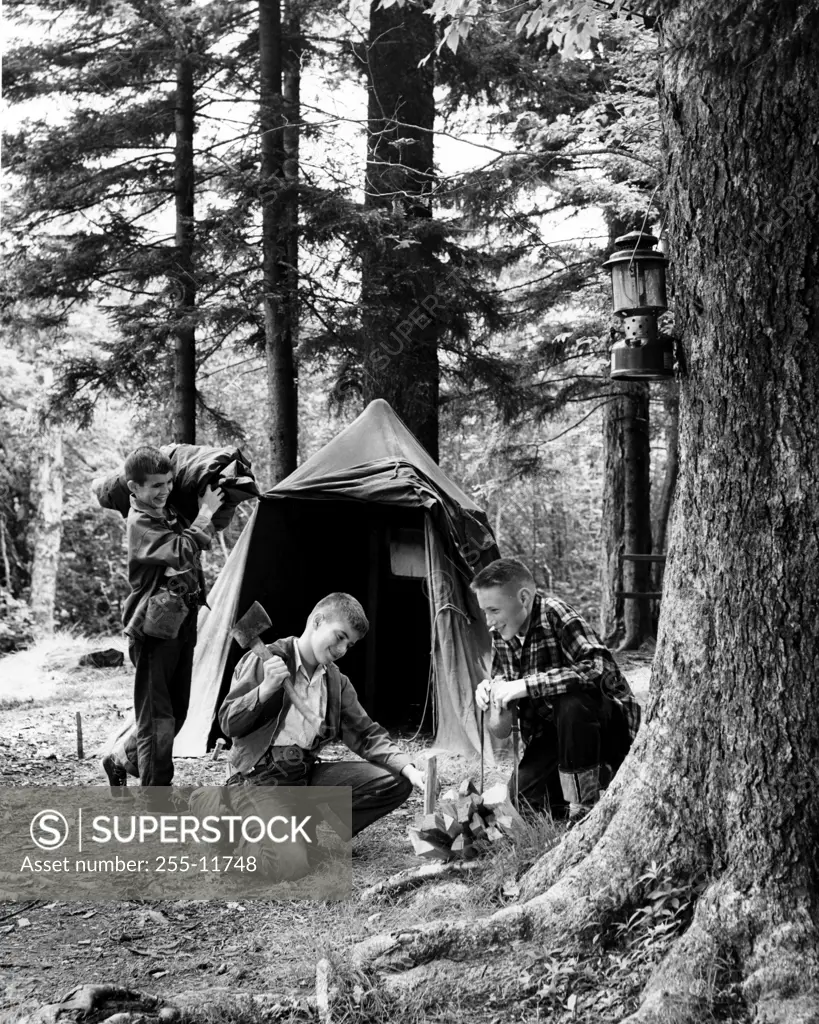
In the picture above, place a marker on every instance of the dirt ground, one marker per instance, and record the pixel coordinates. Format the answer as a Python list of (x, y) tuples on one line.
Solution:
[(172, 948)]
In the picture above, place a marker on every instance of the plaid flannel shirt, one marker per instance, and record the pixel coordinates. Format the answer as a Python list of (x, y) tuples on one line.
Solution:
[(560, 654)]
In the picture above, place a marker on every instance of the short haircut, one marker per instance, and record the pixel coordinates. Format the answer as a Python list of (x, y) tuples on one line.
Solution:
[(501, 573), (144, 461), (344, 606)]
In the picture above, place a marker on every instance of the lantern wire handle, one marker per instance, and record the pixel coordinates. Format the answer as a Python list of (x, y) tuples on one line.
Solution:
[(642, 228)]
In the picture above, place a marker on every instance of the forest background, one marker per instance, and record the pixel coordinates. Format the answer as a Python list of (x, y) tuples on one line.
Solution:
[(223, 228)]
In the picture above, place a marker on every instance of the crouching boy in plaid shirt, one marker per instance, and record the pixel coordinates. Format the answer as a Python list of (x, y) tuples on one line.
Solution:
[(578, 715)]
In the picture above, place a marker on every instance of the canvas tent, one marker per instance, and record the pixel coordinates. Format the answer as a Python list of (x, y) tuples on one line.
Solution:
[(371, 514)]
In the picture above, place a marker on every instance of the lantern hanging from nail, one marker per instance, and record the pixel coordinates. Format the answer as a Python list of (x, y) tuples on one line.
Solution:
[(638, 293)]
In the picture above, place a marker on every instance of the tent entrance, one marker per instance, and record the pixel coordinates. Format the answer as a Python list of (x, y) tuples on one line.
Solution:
[(398, 664), (303, 549)]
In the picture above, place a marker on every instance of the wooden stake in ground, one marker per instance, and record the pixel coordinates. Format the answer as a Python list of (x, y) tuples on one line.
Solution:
[(431, 784), (80, 753), (323, 976)]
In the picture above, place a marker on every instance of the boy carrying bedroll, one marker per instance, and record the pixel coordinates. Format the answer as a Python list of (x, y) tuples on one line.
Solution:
[(277, 741), (159, 617)]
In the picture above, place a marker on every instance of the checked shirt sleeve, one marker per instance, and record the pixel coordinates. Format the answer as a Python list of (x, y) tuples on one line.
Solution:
[(586, 662)]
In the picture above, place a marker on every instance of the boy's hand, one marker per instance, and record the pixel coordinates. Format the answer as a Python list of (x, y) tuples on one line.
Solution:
[(506, 691), (483, 694), (416, 777), (275, 673), (212, 499)]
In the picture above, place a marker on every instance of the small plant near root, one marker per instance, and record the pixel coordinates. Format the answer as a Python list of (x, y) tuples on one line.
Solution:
[(598, 977)]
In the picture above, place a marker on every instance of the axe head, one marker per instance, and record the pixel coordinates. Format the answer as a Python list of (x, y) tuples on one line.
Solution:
[(251, 625)]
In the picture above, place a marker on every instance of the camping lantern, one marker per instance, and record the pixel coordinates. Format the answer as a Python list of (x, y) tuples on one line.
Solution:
[(638, 294)]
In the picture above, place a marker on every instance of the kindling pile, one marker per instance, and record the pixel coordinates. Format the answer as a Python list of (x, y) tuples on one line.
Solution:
[(464, 820)]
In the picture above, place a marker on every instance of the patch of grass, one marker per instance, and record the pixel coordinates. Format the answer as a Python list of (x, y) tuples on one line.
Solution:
[(7, 703), (354, 999), (510, 858)]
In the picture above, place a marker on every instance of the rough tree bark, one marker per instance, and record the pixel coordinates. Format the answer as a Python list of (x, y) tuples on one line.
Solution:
[(184, 279), (398, 281), (276, 193), (723, 775)]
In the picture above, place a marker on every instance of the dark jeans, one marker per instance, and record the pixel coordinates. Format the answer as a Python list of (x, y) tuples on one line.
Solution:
[(587, 730), (162, 690), (376, 790)]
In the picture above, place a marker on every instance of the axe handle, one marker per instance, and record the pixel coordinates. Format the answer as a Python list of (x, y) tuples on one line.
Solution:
[(263, 654)]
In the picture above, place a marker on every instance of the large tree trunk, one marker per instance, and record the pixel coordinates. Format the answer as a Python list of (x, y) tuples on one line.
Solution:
[(46, 529), (722, 778), (398, 282), (279, 311), (184, 383)]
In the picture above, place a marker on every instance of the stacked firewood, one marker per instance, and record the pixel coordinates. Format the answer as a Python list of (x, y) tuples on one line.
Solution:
[(463, 822)]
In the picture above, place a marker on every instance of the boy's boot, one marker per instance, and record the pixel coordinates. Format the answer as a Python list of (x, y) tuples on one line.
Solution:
[(581, 790), (117, 776)]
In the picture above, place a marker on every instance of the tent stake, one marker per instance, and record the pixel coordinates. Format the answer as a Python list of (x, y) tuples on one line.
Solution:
[(431, 784)]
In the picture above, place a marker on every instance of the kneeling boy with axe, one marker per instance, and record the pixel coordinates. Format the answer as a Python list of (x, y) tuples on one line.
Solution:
[(288, 699)]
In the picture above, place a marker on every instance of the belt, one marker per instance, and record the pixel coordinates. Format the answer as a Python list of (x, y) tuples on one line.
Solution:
[(288, 757)]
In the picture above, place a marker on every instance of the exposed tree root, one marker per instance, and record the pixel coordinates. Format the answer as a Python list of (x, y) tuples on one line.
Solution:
[(783, 978), (586, 891), (682, 987), (781, 961), (411, 878)]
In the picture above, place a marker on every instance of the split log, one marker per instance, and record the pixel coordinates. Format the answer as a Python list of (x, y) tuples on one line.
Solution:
[(496, 800), (477, 826), (467, 807), (452, 826), (464, 846), (433, 827), (426, 849)]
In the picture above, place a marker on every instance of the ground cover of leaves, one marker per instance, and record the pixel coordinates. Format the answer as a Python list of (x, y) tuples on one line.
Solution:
[(238, 948)]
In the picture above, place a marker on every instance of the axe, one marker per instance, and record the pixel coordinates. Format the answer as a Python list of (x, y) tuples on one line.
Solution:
[(247, 634)]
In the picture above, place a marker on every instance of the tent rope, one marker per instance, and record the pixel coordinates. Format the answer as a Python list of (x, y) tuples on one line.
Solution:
[(431, 675)]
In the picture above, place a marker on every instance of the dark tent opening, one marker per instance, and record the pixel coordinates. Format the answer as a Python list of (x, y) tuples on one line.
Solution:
[(356, 547)]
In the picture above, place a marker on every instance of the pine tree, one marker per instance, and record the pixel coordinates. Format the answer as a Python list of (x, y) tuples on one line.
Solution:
[(96, 192)]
